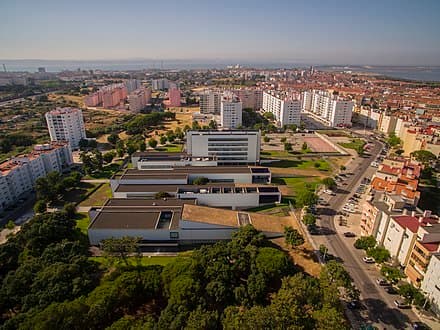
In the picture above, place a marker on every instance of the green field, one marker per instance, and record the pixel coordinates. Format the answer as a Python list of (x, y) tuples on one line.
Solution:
[(170, 148), (107, 171), (319, 164), (298, 184), (98, 197), (78, 194), (354, 144), (82, 222)]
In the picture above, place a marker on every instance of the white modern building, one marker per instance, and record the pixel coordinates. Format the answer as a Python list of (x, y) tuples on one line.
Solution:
[(250, 98), (330, 109), (170, 223), (160, 84), (431, 283), (145, 160), (18, 175), (230, 111), (227, 146), (210, 102), (66, 124), (286, 109)]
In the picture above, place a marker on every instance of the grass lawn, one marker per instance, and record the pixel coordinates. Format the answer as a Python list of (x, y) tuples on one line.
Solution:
[(106, 172), (280, 210), (170, 148), (319, 164), (333, 132), (98, 197), (354, 144), (298, 184), (145, 261), (78, 194), (82, 222)]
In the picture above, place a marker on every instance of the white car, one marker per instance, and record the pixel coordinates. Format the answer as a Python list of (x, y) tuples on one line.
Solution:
[(329, 192)]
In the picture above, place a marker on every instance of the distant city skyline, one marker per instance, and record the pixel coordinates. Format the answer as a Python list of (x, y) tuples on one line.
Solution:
[(313, 32)]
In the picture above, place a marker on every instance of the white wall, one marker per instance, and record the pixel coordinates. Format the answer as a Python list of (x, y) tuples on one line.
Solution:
[(97, 235), (431, 284)]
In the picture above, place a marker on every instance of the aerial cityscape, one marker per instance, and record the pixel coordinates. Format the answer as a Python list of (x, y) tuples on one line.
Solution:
[(219, 165)]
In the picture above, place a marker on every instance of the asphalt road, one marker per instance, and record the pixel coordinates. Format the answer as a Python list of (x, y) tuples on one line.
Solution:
[(378, 306)]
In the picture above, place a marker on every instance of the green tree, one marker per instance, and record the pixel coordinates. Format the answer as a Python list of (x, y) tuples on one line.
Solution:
[(40, 206), (304, 146), (142, 146), (212, 124), (132, 147), (293, 237), (392, 274), (287, 146), (423, 156), (266, 139), (334, 273), (120, 248), (309, 219), (120, 148), (379, 254), (365, 243), (10, 225), (113, 138), (163, 139), (306, 198), (342, 168), (393, 140), (323, 250), (108, 156), (161, 194), (329, 183), (152, 143)]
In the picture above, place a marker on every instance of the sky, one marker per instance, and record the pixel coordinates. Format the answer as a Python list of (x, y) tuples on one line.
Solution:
[(373, 32)]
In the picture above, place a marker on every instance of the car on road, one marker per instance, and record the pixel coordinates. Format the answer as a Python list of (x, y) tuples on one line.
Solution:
[(349, 234), (368, 260), (354, 304), (382, 282), (391, 289), (420, 326), (401, 304)]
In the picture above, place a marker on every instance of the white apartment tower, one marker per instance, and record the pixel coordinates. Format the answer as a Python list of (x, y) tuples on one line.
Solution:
[(286, 109), (226, 146), (330, 109), (210, 102), (160, 84), (66, 124), (230, 111)]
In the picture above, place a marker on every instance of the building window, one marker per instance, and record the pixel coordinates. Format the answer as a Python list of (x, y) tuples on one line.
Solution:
[(174, 235)]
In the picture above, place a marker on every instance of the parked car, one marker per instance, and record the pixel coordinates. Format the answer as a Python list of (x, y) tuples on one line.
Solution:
[(354, 304), (349, 234), (401, 304), (391, 290), (368, 260), (382, 282)]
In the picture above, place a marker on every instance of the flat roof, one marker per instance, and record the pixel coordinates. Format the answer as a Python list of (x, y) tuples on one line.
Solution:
[(138, 218), (164, 187), (118, 202), (192, 169), (156, 155)]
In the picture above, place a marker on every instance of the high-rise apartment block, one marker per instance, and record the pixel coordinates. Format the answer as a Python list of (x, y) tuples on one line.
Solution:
[(250, 98), (132, 85), (231, 111), (18, 175), (138, 99), (160, 84), (285, 108), (66, 124), (174, 97), (327, 108), (210, 102), (226, 146)]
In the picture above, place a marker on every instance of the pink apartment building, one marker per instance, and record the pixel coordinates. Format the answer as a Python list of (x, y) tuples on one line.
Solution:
[(174, 97)]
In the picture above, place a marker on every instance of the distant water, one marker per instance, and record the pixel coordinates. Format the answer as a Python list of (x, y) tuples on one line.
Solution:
[(121, 65), (419, 73), (400, 72)]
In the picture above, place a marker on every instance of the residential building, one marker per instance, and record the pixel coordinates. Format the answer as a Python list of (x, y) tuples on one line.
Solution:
[(210, 102), (132, 85), (174, 97), (160, 84), (427, 244), (250, 98), (66, 124), (431, 283), (330, 109), (230, 111), (285, 108), (387, 124), (139, 99), (227, 146), (18, 175), (401, 233)]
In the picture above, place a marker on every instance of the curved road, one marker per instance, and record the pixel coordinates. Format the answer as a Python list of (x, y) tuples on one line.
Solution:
[(379, 307)]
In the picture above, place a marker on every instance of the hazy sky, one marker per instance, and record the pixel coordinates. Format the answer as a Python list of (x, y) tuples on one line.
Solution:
[(323, 32)]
